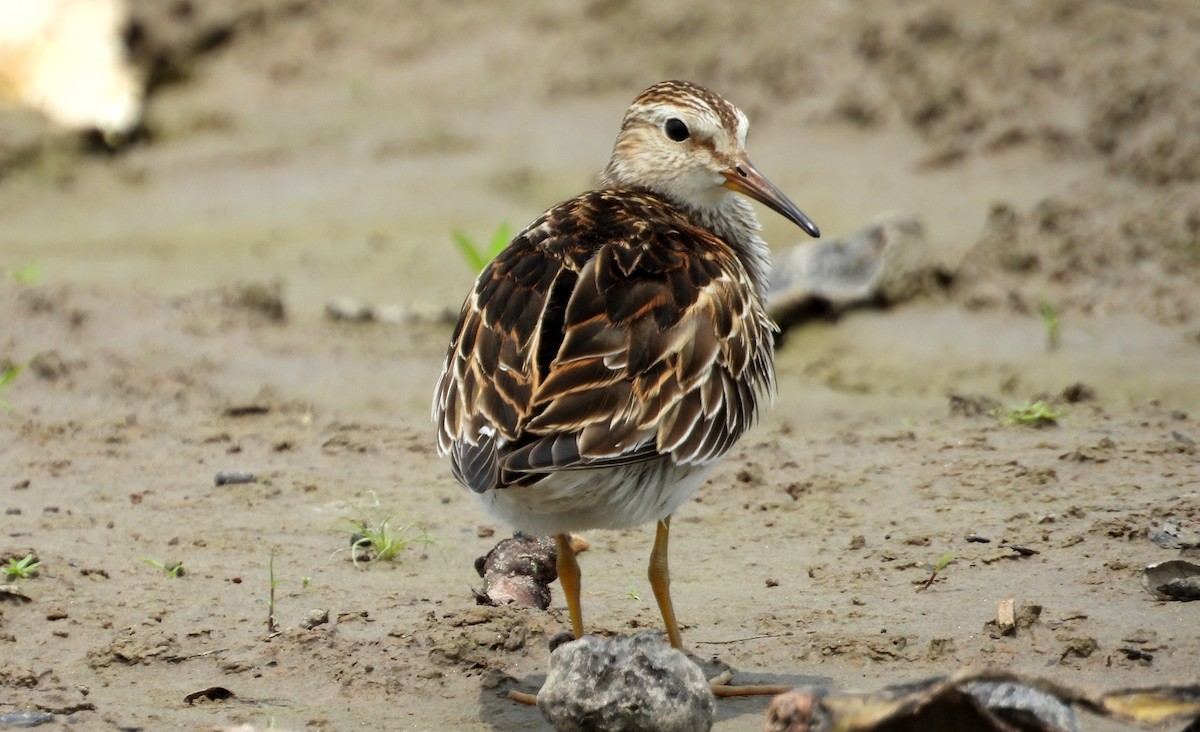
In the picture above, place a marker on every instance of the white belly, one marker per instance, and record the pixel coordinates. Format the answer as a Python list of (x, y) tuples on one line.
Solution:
[(606, 498)]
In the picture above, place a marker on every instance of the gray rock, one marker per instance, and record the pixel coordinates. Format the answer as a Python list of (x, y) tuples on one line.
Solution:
[(625, 683), (1176, 579), (234, 477), (887, 261), (1176, 534)]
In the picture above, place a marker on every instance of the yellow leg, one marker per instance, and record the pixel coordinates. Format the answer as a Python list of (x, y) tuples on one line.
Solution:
[(568, 578), (660, 582)]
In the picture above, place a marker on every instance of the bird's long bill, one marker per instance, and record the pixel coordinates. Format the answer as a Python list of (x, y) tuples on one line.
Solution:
[(743, 177)]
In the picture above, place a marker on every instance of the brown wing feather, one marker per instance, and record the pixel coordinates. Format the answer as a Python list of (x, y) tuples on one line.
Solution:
[(608, 332)]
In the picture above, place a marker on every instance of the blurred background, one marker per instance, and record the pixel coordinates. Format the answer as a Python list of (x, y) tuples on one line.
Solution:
[(1048, 152), (234, 235)]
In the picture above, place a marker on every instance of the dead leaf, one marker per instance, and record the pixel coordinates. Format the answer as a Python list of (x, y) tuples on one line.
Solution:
[(212, 693)]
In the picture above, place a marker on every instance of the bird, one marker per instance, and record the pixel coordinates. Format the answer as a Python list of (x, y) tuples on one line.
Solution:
[(610, 356)]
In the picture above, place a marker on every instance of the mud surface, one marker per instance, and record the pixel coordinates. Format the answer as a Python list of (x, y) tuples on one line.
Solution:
[(167, 303)]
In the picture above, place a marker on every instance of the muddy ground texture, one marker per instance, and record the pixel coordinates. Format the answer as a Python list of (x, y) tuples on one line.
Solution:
[(166, 303)]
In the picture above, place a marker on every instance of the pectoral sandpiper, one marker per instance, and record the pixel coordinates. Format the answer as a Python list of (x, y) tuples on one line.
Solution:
[(611, 355)]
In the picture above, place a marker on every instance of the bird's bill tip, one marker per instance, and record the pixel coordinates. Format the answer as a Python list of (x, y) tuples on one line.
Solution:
[(744, 178)]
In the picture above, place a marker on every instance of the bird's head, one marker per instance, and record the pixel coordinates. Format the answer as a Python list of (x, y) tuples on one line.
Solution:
[(688, 144)]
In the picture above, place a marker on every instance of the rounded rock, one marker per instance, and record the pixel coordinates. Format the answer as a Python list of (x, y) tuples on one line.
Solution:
[(625, 683)]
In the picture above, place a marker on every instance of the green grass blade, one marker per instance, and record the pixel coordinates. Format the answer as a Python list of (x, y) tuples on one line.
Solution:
[(28, 275), (468, 250), (7, 375), (10, 373)]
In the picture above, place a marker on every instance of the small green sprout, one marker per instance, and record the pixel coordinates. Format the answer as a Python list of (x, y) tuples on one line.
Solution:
[(1050, 319), (378, 540), (21, 568), (171, 569), (27, 275), (1032, 414), (477, 257), (633, 595), (942, 562), (273, 583), (8, 372)]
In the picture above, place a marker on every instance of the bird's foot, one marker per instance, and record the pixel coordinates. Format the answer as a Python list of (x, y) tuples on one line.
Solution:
[(721, 688), (523, 697)]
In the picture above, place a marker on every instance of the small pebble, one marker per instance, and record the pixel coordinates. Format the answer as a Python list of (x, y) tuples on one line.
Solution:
[(246, 410), (25, 719), (233, 477), (349, 309), (313, 618)]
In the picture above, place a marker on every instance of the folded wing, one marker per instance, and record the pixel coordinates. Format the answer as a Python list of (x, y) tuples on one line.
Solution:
[(611, 341)]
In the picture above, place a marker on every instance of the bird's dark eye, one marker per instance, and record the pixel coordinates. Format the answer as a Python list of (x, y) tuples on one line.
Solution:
[(676, 129)]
